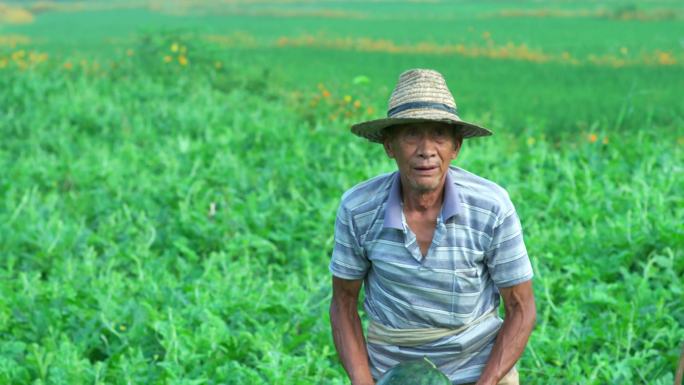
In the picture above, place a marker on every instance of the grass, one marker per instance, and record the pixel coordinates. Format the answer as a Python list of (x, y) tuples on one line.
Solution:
[(162, 223)]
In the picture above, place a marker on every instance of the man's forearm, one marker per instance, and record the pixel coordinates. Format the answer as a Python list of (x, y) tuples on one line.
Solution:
[(349, 342), (510, 343)]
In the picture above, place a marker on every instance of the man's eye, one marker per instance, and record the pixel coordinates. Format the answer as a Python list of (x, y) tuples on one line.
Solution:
[(442, 135)]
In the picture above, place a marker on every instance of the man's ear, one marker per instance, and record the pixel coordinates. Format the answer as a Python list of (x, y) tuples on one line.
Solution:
[(387, 144), (458, 141)]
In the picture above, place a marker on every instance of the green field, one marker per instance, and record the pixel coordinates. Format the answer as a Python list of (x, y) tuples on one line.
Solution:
[(171, 173)]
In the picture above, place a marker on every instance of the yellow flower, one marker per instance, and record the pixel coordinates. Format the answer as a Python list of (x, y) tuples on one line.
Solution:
[(38, 57), (357, 104), (182, 60), (122, 327), (666, 58), (174, 47), (282, 41), (68, 66), (18, 55), (326, 93), (167, 59), (530, 141), (347, 98), (592, 138)]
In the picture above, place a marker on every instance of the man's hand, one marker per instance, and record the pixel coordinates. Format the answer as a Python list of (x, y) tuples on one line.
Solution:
[(521, 315), (347, 331)]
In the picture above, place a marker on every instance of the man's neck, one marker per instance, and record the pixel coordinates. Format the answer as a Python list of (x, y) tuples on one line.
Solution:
[(422, 201)]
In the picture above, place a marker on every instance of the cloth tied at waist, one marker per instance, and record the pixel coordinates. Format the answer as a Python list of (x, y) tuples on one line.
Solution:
[(383, 335)]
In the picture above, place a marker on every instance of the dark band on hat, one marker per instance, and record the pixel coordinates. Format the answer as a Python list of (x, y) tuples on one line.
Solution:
[(421, 105)]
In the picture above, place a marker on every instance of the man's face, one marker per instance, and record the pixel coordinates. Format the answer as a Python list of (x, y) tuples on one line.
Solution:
[(423, 152)]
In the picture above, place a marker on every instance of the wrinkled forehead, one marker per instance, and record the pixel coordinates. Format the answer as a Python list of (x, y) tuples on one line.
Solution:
[(423, 127), (418, 127)]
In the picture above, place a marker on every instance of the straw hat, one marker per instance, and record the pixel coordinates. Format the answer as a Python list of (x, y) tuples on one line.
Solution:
[(421, 95)]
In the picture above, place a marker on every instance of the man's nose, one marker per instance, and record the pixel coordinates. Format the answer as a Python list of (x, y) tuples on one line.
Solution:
[(427, 147)]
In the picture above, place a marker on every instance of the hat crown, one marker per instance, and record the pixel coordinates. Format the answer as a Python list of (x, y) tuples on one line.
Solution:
[(420, 96), (420, 89)]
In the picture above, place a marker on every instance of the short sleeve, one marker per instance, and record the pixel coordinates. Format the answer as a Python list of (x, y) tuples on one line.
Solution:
[(507, 258), (348, 259)]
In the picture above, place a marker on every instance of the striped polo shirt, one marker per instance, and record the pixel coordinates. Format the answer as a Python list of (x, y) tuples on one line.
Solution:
[(477, 247)]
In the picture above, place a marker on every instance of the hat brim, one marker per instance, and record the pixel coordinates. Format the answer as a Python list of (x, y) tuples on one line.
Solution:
[(373, 129)]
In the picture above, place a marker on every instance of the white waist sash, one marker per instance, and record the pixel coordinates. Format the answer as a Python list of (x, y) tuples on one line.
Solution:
[(384, 335)]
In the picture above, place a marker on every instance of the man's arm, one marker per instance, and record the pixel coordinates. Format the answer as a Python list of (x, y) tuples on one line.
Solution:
[(521, 315), (347, 330)]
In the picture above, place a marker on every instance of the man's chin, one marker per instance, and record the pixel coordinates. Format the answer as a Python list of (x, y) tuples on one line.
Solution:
[(425, 187)]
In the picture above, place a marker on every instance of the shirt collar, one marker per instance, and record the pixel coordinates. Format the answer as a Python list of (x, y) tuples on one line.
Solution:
[(393, 208), (393, 205), (452, 198)]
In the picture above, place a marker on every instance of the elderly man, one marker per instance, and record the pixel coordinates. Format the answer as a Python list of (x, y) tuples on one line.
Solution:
[(435, 247)]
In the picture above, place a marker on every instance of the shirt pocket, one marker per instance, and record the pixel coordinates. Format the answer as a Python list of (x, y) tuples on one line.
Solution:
[(467, 281)]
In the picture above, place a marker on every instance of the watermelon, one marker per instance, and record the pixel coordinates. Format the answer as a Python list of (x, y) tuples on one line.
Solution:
[(421, 372)]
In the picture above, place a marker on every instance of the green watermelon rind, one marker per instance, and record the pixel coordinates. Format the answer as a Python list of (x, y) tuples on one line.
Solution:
[(422, 372)]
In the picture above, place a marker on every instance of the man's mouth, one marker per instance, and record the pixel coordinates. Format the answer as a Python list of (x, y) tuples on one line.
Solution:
[(425, 169)]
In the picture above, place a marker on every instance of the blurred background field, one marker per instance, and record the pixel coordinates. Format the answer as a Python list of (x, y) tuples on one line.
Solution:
[(171, 172)]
